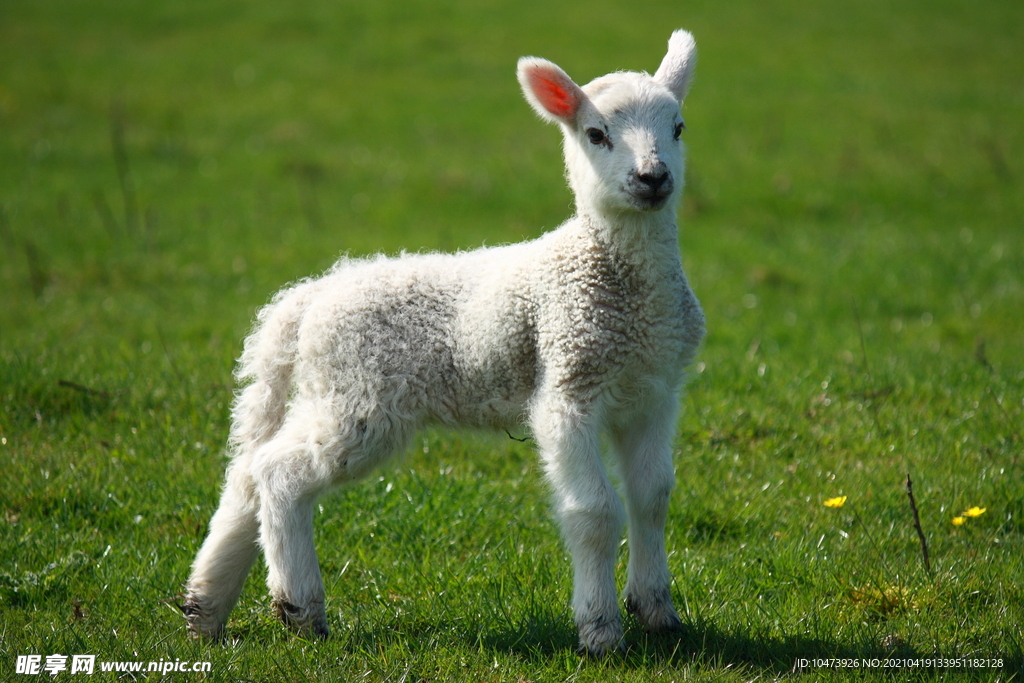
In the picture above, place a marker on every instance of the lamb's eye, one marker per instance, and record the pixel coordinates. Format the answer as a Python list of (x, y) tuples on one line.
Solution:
[(596, 135), (679, 130)]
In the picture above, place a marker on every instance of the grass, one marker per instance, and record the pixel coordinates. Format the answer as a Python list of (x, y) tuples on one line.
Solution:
[(852, 225)]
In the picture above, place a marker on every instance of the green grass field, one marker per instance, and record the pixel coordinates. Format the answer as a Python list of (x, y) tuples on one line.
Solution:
[(853, 225)]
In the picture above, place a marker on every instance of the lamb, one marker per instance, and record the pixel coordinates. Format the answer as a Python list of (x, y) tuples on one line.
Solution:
[(582, 333)]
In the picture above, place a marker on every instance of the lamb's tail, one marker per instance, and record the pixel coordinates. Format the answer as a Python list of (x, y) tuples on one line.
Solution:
[(265, 369)]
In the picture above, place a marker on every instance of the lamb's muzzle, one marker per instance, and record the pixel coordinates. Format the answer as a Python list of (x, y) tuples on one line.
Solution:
[(651, 187)]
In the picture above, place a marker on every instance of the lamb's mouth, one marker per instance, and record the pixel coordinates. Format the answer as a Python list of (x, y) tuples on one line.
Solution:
[(644, 201), (645, 195)]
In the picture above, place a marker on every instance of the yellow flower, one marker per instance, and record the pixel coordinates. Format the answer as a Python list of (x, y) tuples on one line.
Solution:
[(975, 512), (957, 521), (835, 502)]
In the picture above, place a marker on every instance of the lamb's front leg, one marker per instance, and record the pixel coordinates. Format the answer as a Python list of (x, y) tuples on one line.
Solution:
[(591, 518), (644, 447)]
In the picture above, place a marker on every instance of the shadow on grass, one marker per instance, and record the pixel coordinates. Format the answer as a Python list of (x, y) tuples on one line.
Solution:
[(706, 645), (540, 639)]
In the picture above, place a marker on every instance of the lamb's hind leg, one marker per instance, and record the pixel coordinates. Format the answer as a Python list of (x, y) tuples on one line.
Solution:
[(308, 456), (289, 477), (226, 556), (644, 448)]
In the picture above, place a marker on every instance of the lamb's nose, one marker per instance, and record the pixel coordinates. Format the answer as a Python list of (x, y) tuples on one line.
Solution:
[(653, 180)]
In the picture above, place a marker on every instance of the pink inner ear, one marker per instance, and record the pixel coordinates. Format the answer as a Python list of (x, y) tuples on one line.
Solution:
[(553, 96)]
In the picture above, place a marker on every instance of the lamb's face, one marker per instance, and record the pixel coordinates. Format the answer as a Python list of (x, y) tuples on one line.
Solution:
[(622, 146), (623, 151)]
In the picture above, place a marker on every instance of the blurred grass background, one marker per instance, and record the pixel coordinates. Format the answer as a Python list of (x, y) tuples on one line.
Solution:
[(852, 224)]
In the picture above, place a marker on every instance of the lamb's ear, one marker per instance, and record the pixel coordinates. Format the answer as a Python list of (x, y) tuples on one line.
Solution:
[(549, 90), (676, 70)]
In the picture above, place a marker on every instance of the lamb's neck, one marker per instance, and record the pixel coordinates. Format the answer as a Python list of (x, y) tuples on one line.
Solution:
[(641, 238)]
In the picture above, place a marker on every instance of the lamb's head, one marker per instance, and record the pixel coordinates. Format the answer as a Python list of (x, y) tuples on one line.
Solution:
[(622, 131)]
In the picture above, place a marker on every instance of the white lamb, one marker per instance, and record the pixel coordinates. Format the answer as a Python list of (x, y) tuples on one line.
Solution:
[(583, 332)]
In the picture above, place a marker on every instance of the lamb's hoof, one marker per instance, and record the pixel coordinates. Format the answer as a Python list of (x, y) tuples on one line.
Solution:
[(600, 637), (200, 624), (305, 621), (655, 615)]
